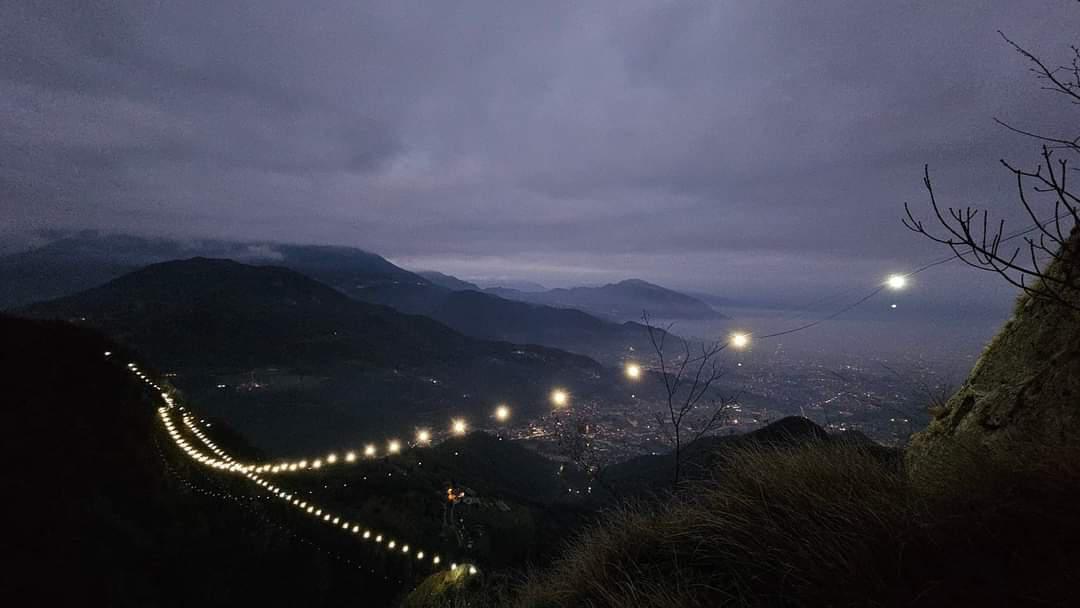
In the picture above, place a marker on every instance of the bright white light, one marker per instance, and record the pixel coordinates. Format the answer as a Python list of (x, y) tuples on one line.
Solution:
[(332, 458), (740, 340), (896, 281), (350, 457), (472, 569), (369, 450), (633, 371), (559, 397), (423, 436), (394, 446), (502, 413), (459, 427)]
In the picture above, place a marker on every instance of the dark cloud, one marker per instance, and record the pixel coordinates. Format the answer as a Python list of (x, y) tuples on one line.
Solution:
[(752, 146)]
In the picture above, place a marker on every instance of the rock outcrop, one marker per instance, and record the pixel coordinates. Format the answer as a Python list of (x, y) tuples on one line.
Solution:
[(1024, 392)]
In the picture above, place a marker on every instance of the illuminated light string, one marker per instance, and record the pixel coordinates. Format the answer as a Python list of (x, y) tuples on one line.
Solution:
[(216, 458), (559, 398), (458, 427), (893, 282)]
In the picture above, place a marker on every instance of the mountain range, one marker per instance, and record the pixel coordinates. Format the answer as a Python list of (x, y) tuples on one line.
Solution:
[(68, 265), (295, 363)]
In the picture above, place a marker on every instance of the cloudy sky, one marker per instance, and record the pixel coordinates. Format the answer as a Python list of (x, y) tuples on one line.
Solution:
[(755, 148)]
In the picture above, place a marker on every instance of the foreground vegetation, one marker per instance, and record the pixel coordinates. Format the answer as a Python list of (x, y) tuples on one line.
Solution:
[(828, 525)]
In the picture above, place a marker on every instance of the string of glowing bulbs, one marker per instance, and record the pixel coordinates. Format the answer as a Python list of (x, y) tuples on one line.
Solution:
[(218, 459)]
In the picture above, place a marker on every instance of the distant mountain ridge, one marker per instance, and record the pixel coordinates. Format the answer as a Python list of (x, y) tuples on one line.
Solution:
[(448, 281), (353, 365), (87, 260), (626, 300)]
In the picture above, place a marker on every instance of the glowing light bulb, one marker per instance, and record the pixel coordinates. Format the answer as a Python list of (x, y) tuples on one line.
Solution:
[(369, 450), (740, 340), (502, 413), (391, 544), (350, 457), (436, 559), (472, 569), (367, 533), (331, 459), (459, 427), (896, 281), (560, 397), (423, 436), (394, 446), (419, 555), (633, 371), (317, 464)]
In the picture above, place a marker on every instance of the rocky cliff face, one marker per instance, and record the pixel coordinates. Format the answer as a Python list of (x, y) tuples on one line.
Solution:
[(1024, 392)]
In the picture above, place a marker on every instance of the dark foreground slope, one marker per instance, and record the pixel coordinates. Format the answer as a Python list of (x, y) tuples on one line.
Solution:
[(107, 515), (828, 525)]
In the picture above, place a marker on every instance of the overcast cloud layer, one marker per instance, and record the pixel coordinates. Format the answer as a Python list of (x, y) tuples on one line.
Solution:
[(756, 148)]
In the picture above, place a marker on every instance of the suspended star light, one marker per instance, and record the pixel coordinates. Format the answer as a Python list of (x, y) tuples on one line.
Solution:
[(633, 371), (559, 397), (896, 281), (350, 457), (393, 446), (740, 340), (423, 436), (502, 413), (459, 427), (369, 450), (332, 458)]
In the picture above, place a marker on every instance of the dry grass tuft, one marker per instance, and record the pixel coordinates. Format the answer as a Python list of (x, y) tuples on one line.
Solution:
[(835, 525)]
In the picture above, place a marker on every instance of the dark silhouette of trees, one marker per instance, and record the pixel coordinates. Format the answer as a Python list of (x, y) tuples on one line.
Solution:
[(981, 243), (692, 411)]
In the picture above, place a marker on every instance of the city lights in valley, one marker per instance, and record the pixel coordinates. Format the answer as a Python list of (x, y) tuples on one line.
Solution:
[(896, 281), (633, 371), (502, 413), (559, 397)]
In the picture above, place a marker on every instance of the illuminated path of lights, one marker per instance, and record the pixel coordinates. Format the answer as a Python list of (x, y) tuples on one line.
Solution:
[(207, 453), (204, 451)]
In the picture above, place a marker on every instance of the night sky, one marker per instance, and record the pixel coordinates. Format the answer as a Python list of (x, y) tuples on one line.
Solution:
[(758, 150)]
